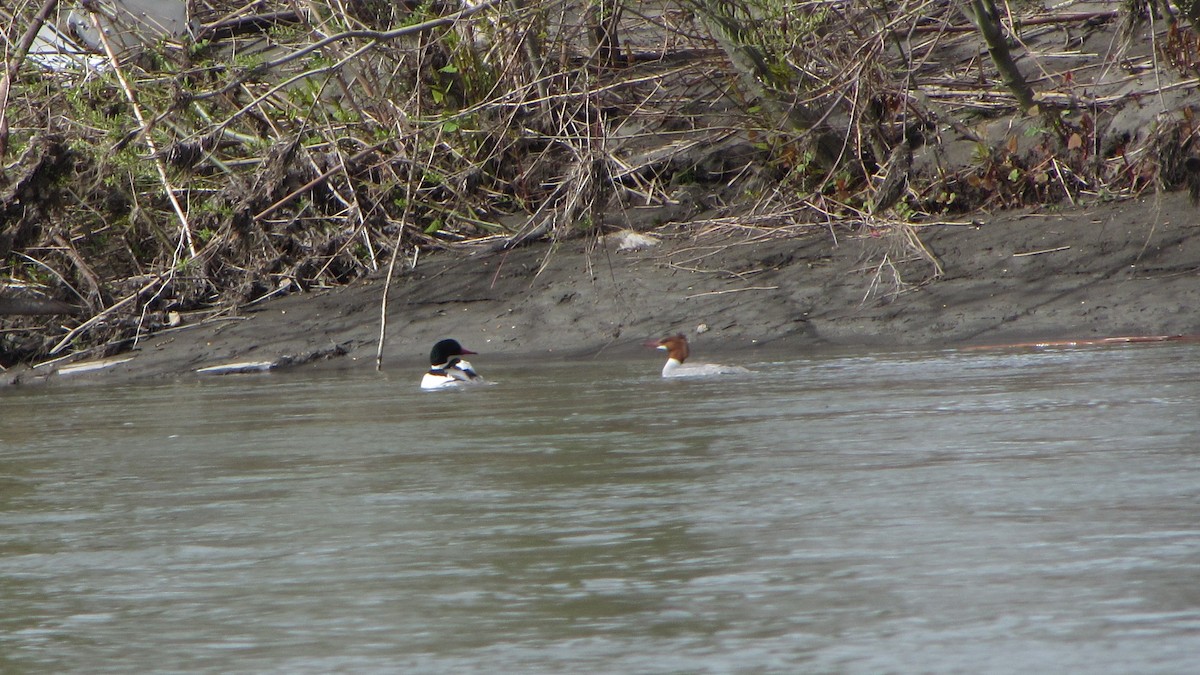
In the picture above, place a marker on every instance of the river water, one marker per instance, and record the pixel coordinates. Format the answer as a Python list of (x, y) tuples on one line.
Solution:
[(982, 512)]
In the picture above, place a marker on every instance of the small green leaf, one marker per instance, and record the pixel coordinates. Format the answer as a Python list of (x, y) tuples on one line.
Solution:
[(450, 126), (1014, 175), (449, 69)]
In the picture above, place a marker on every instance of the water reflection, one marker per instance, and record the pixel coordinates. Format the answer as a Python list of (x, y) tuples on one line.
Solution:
[(855, 513)]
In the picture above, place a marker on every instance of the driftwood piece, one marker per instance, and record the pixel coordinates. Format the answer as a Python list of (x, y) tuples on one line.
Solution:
[(1088, 342), (27, 305)]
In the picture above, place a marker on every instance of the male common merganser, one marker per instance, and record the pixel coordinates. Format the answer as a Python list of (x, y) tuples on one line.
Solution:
[(447, 369), (676, 347)]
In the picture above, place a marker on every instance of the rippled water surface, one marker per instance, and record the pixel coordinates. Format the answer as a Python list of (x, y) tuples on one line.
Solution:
[(918, 512)]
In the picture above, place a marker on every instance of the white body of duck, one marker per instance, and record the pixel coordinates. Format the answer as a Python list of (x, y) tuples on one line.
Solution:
[(447, 368), (676, 347)]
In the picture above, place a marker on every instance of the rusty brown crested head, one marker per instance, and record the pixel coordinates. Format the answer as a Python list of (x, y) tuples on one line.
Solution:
[(676, 346)]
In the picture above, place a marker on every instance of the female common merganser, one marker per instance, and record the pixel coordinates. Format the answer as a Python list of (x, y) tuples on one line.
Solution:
[(676, 347), (447, 369)]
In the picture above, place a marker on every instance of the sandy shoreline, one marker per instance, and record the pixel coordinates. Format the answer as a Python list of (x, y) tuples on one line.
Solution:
[(1127, 268)]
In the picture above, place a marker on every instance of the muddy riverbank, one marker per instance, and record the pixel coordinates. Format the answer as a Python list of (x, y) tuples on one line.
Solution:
[(1125, 268)]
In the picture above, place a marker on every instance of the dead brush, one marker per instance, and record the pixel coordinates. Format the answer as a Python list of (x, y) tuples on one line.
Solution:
[(300, 145), (894, 258)]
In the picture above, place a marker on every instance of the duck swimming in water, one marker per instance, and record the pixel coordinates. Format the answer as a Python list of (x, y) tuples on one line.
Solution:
[(447, 368), (676, 347)]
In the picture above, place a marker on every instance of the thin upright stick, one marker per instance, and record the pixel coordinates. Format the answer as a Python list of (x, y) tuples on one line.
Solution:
[(145, 132), (14, 64), (387, 287), (387, 284)]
